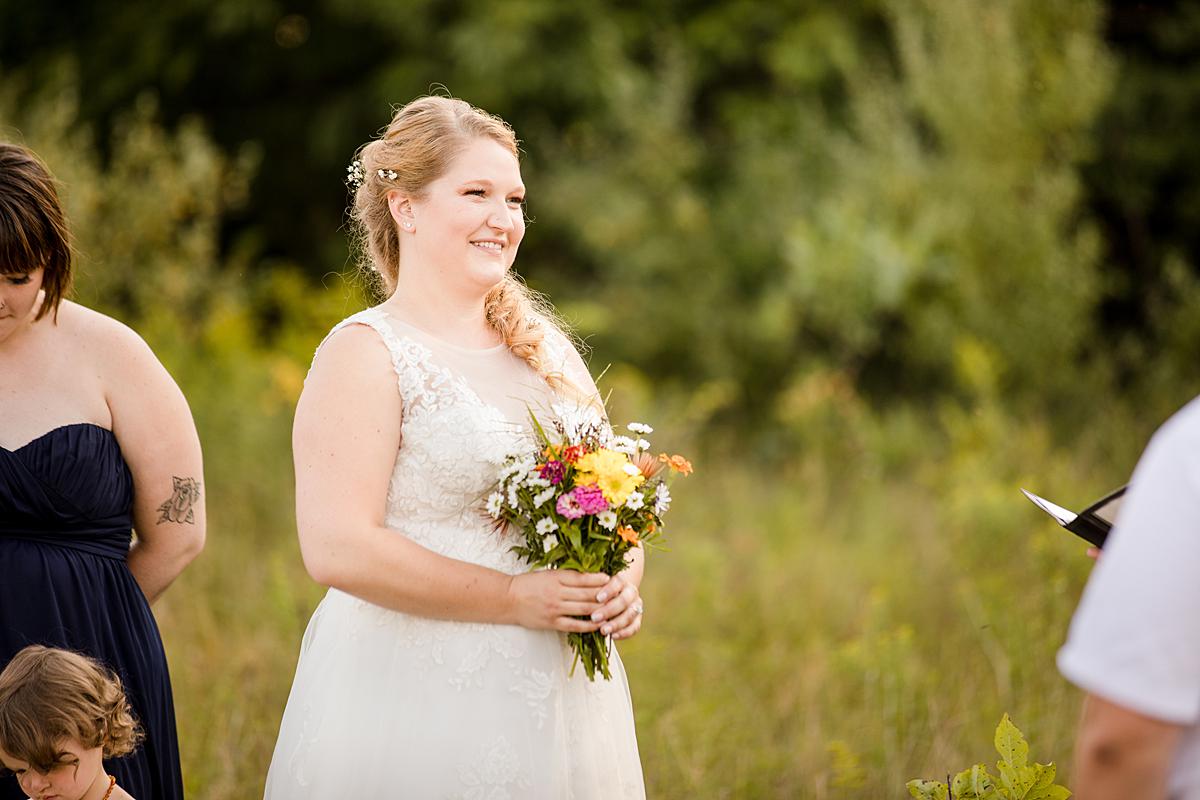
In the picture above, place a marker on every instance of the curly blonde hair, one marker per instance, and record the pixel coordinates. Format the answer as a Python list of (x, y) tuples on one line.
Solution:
[(48, 694), (417, 148)]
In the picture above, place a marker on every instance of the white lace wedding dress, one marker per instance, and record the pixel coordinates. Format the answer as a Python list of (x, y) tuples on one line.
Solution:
[(389, 705)]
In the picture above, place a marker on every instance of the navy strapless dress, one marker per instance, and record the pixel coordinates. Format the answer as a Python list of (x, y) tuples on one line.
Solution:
[(66, 502)]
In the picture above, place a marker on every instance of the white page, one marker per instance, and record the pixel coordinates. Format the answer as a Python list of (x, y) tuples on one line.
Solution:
[(1061, 514)]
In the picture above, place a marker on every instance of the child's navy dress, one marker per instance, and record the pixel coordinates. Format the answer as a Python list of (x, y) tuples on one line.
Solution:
[(66, 503)]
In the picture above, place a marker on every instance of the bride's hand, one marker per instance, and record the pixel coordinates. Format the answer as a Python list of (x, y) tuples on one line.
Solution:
[(621, 614), (551, 599)]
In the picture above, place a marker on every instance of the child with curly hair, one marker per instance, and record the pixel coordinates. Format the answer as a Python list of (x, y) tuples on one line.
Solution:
[(61, 715)]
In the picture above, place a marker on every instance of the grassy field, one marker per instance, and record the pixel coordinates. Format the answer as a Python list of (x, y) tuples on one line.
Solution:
[(827, 627)]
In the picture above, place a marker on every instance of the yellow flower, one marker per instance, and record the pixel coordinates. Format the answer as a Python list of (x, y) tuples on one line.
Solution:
[(613, 472)]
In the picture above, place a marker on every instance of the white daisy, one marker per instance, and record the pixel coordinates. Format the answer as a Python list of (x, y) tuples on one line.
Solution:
[(623, 444), (511, 468), (662, 499), (639, 427), (546, 525), (607, 519), (538, 499), (495, 502), (550, 541), (636, 500)]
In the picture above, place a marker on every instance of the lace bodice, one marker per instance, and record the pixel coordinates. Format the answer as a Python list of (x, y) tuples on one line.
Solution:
[(453, 441)]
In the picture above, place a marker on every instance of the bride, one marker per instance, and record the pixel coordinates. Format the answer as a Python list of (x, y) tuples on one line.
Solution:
[(435, 665)]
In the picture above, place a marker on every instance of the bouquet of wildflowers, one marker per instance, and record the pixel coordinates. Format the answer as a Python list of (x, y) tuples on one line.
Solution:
[(581, 501)]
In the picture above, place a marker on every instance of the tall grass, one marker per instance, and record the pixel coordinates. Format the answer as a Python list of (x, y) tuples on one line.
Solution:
[(826, 626)]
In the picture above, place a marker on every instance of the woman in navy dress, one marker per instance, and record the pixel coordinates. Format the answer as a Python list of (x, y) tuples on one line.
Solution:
[(96, 441)]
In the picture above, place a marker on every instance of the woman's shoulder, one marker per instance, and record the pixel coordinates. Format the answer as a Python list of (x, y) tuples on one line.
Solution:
[(355, 346), (99, 328), (362, 331), (106, 343)]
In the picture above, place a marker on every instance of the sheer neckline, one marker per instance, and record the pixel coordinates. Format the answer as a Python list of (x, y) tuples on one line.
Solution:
[(458, 348)]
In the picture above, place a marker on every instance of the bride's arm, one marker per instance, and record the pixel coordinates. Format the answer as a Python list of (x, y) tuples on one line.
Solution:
[(345, 438)]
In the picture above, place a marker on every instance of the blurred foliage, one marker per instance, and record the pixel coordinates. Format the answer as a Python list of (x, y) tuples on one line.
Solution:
[(884, 262), (771, 189)]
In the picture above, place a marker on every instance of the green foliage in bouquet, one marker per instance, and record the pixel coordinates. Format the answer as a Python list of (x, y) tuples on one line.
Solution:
[(1018, 780)]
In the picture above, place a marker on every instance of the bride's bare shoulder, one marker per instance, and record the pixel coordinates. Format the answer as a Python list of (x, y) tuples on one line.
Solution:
[(352, 349)]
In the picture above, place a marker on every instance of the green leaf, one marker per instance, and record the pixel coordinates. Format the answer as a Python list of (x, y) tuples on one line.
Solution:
[(973, 784), (538, 429), (574, 536), (1014, 753), (1054, 793), (1011, 745), (927, 790), (1043, 777), (1043, 787)]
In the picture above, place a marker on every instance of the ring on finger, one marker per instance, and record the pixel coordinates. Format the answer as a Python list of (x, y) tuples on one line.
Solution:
[(638, 608)]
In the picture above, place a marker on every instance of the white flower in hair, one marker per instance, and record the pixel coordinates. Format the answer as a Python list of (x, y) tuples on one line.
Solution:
[(355, 174), (390, 174)]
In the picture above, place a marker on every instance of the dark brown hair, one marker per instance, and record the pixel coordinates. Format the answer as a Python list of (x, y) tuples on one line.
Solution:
[(48, 694), (33, 229)]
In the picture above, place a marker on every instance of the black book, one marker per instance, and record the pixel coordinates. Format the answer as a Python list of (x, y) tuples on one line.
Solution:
[(1093, 523)]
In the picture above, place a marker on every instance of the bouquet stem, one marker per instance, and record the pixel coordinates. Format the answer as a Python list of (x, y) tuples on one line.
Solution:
[(592, 649)]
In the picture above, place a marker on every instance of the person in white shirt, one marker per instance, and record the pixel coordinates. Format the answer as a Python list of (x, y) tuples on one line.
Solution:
[(1134, 643)]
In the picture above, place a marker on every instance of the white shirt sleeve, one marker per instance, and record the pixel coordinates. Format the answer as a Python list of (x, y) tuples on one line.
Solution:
[(1135, 638)]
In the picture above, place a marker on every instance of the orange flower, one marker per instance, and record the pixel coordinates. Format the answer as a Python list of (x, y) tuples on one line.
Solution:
[(677, 463), (573, 453), (628, 534)]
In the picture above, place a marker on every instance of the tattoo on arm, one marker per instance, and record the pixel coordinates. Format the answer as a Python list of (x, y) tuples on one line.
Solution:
[(179, 506)]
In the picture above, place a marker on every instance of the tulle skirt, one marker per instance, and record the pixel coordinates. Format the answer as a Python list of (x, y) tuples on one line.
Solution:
[(389, 705)]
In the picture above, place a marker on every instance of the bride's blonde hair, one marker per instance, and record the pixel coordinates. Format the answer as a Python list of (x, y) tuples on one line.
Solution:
[(415, 149)]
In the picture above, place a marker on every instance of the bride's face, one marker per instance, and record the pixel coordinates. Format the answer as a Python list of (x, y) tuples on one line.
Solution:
[(471, 220)]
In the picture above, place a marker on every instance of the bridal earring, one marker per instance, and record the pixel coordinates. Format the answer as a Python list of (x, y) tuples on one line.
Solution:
[(408, 226)]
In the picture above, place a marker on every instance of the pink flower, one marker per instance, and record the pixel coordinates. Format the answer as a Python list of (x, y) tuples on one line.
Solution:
[(569, 507), (552, 471), (590, 498)]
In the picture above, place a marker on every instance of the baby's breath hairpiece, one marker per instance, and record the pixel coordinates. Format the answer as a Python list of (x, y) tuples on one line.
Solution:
[(355, 174), (390, 174)]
